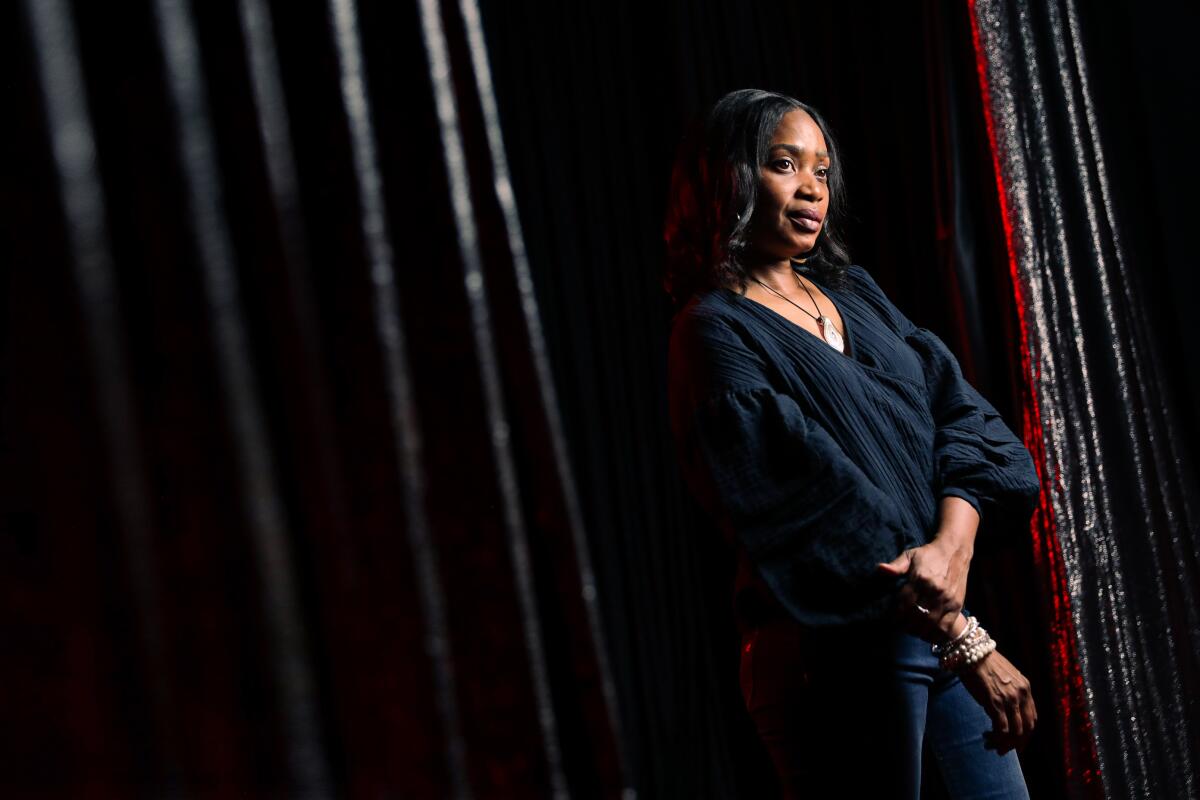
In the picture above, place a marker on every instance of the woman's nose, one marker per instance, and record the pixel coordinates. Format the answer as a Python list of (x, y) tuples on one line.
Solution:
[(809, 189)]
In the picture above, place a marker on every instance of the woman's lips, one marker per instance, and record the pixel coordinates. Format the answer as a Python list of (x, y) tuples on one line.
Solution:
[(805, 224)]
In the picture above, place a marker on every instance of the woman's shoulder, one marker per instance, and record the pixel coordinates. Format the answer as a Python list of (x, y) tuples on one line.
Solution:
[(848, 278), (863, 284), (860, 280), (707, 314), (714, 345), (714, 301)]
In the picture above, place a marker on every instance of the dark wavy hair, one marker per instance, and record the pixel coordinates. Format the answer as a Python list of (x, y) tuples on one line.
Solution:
[(714, 189)]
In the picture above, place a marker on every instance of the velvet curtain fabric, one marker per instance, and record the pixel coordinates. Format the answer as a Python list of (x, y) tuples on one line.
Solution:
[(286, 507), (1117, 532)]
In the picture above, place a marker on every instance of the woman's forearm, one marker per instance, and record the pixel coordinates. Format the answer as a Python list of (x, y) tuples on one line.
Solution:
[(957, 524)]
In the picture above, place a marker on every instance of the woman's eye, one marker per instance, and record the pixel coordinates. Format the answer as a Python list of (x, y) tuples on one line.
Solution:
[(822, 172), (783, 163)]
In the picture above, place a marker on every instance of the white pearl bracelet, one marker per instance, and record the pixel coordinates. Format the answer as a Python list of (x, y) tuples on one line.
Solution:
[(968, 648), (945, 647)]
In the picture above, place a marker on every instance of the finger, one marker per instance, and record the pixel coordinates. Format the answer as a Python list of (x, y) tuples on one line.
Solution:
[(1016, 721), (1029, 711), (1000, 721), (898, 565), (920, 583), (929, 607), (1020, 725)]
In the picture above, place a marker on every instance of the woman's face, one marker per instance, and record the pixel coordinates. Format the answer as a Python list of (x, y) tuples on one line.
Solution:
[(793, 191)]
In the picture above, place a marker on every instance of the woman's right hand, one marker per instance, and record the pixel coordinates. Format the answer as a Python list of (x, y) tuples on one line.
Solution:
[(1005, 695)]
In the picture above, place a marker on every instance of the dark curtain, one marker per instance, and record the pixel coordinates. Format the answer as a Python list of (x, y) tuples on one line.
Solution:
[(1119, 524), (334, 457), (286, 511)]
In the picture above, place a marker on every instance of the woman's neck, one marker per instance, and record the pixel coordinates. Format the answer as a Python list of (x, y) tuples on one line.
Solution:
[(779, 275)]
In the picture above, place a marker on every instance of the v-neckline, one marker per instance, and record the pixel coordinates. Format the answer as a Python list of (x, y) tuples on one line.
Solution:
[(852, 353)]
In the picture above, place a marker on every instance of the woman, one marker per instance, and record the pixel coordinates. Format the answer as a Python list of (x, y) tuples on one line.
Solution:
[(848, 462)]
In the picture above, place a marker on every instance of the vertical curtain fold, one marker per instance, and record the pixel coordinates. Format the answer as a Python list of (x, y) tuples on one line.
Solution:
[(347, 551), (290, 649), (398, 378), (60, 76), (1117, 543)]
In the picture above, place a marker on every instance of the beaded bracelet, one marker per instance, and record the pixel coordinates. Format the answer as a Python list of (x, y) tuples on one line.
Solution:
[(945, 647), (974, 656), (968, 651)]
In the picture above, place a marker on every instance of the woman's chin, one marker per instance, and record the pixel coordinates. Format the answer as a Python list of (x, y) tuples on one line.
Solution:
[(805, 244)]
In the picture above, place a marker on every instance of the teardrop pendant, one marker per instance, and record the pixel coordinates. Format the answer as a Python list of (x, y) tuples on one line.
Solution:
[(830, 334)]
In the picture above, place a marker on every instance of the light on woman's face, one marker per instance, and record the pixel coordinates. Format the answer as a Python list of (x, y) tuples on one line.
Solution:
[(793, 196)]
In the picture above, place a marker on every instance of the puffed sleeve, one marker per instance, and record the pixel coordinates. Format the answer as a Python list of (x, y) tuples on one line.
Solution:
[(806, 514), (976, 455)]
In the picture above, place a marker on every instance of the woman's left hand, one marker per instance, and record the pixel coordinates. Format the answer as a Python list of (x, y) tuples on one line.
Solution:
[(937, 580)]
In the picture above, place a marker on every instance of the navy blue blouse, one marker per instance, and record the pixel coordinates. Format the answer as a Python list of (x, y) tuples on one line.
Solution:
[(816, 464)]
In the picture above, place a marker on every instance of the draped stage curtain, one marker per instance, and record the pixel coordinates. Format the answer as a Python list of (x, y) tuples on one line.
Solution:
[(1117, 545), (333, 441), (287, 507)]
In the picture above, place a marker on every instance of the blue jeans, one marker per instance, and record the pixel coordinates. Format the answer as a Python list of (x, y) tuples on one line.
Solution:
[(846, 711)]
